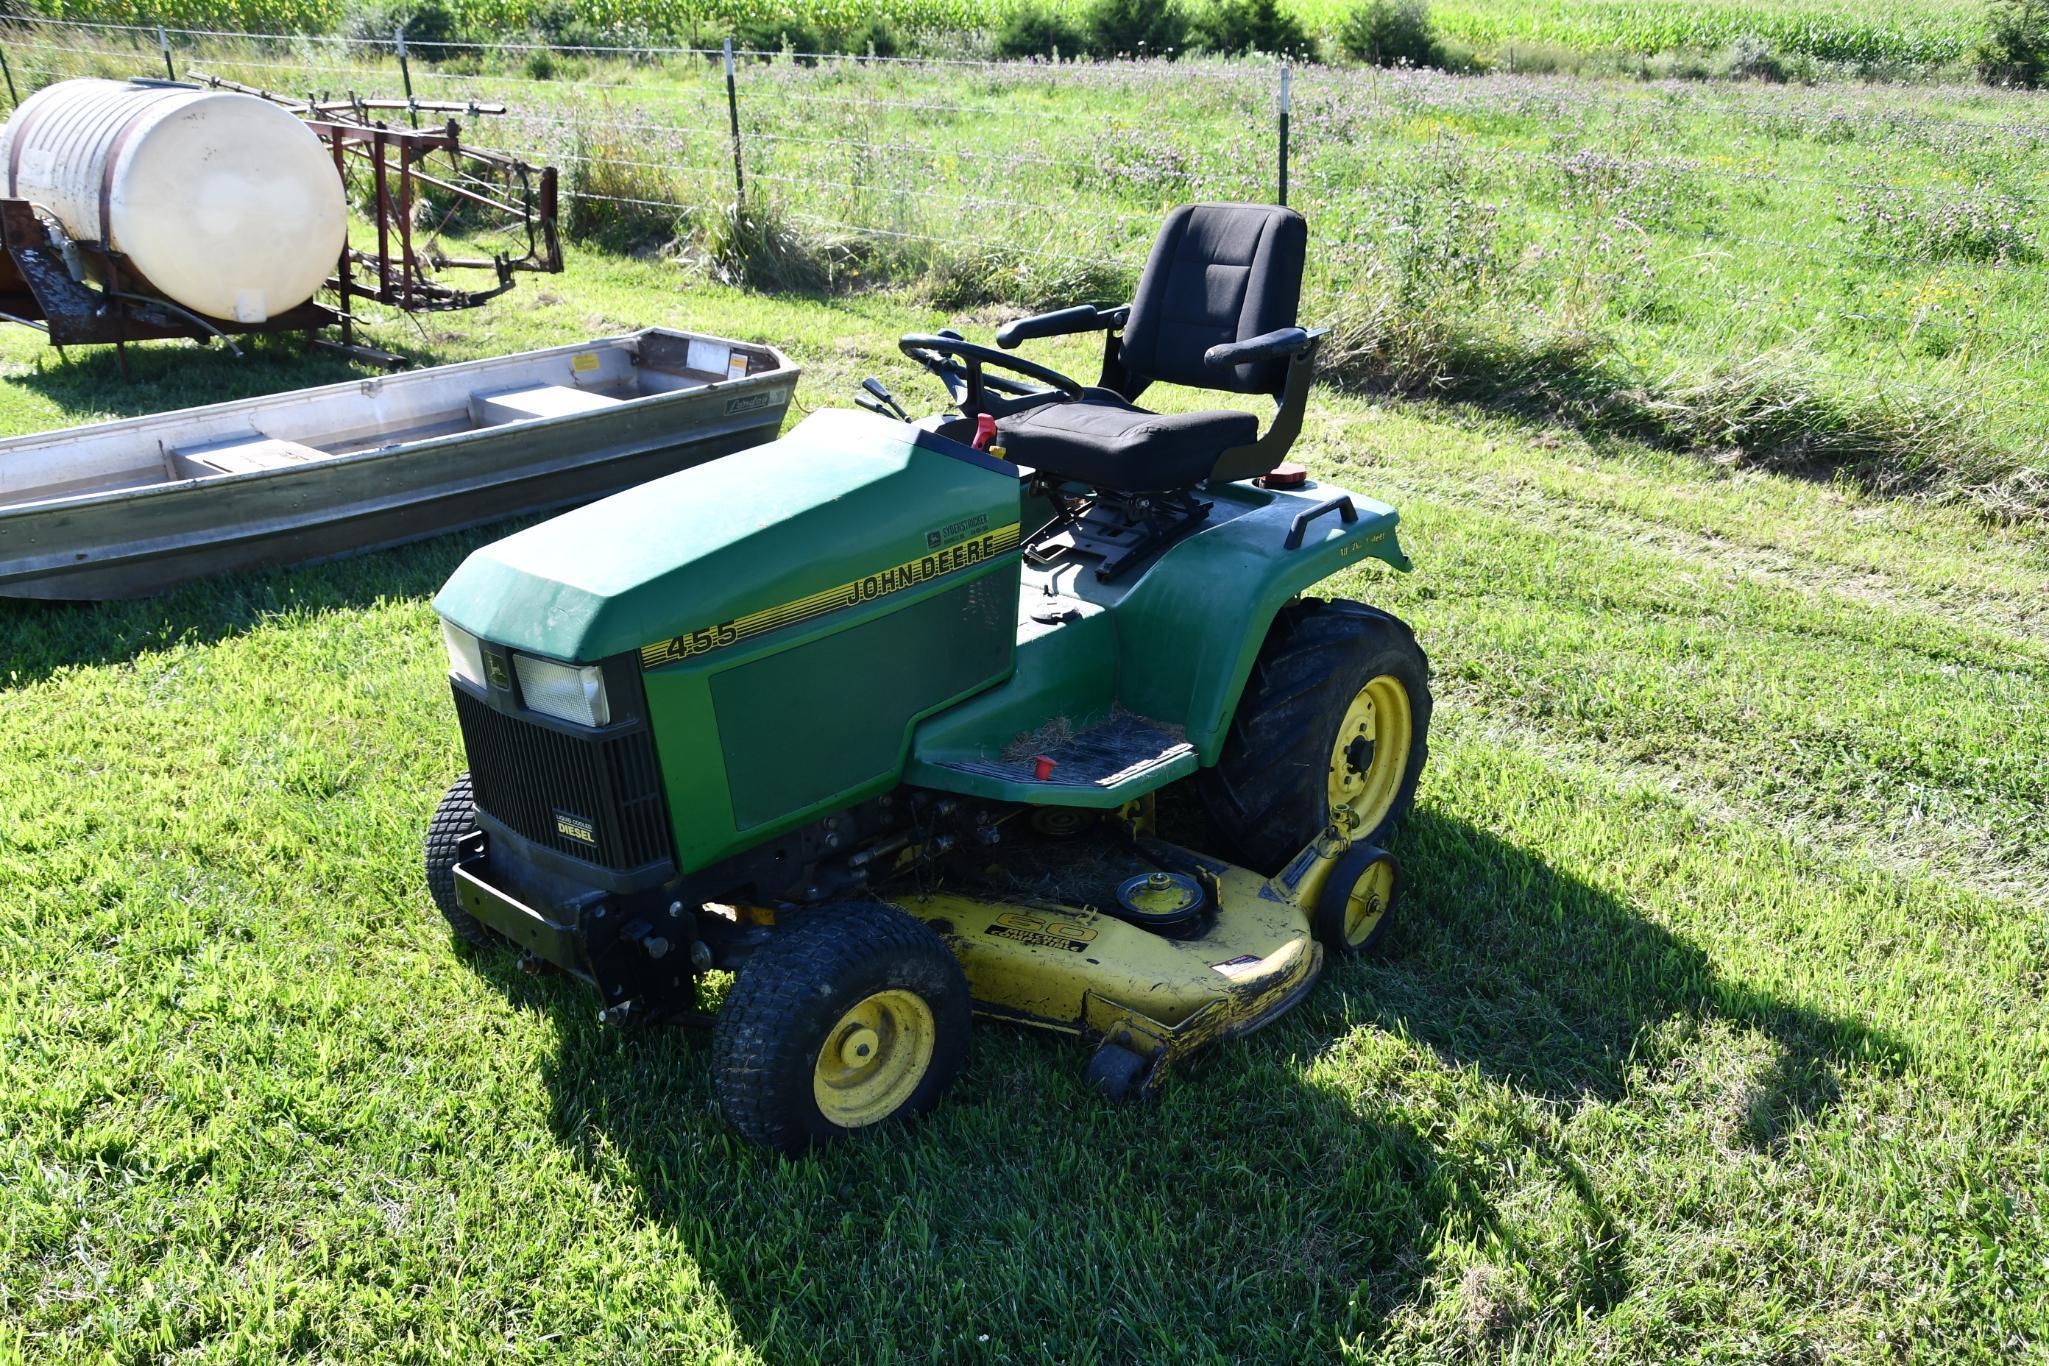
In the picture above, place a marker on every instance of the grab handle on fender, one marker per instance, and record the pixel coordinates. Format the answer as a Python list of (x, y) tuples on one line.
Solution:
[(1342, 505)]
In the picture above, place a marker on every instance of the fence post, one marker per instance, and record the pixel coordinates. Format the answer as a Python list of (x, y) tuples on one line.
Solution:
[(8, 72), (405, 72), (733, 121), (164, 42), (1286, 97)]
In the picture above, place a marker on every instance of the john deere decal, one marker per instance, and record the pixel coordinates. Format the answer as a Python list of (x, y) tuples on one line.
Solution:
[(935, 565)]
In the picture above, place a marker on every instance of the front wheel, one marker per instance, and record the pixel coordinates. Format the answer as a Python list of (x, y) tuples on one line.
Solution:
[(855, 1016), (454, 818), (1333, 730)]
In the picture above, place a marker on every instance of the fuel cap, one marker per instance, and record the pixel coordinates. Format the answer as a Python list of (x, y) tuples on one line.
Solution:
[(1289, 476)]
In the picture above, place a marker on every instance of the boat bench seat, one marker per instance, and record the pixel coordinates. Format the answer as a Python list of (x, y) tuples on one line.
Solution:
[(537, 401), (239, 455)]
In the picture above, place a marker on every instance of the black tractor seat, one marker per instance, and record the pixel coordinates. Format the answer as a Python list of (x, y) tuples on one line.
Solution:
[(1106, 441), (1215, 309)]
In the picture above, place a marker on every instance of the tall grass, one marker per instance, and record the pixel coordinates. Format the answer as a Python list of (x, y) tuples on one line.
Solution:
[(1765, 409), (1827, 279), (618, 195)]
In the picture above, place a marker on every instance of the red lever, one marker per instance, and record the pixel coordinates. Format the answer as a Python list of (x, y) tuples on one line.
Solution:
[(985, 431)]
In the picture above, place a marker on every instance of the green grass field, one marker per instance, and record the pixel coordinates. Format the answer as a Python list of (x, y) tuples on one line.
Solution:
[(1836, 278), (1712, 1028)]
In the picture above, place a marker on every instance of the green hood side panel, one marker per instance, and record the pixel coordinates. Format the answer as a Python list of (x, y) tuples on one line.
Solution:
[(842, 495)]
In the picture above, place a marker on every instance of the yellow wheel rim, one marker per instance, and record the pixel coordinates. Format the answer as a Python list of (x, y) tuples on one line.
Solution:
[(1370, 755), (874, 1058), (1368, 901)]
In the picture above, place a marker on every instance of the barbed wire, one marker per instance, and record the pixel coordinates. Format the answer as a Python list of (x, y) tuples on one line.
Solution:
[(1306, 121), (1595, 157), (921, 106), (1309, 78), (682, 92), (1007, 158), (818, 220)]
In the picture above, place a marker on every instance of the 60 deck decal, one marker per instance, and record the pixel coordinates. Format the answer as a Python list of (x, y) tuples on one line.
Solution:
[(869, 587), (1042, 932)]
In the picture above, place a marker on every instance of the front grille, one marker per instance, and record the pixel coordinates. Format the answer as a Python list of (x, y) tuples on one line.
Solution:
[(548, 786)]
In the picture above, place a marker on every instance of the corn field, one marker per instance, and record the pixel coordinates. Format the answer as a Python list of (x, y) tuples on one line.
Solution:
[(1911, 32)]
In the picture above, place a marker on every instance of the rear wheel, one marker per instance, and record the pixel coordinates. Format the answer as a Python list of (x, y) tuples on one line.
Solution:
[(855, 1016), (455, 818), (1332, 729)]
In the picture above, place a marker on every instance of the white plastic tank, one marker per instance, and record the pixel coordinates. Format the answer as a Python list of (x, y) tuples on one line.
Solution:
[(224, 203)]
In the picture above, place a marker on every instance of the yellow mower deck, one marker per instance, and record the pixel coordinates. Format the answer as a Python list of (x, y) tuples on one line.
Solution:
[(1080, 970)]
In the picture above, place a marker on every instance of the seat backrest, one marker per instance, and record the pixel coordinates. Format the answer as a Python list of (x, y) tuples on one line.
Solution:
[(1217, 273)]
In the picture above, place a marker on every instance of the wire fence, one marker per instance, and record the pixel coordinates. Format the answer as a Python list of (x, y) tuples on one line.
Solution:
[(1072, 163)]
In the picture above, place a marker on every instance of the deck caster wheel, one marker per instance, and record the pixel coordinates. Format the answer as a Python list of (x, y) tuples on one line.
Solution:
[(1118, 1074), (857, 1015), (454, 818), (1357, 904)]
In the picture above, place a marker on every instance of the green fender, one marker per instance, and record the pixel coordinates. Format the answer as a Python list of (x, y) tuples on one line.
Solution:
[(1189, 632), (1176, 646)]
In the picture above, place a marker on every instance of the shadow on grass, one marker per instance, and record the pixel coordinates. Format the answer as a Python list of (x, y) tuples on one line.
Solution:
[(1255, 1211), (1555, 987), (41, 638)]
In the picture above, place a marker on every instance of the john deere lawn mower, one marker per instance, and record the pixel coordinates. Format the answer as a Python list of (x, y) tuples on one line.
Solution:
[(875, 716)]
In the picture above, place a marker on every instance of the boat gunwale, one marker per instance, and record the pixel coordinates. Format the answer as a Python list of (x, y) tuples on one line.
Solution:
[(784, 370)]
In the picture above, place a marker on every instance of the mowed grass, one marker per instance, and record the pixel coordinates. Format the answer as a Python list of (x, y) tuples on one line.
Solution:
[(1711, 1028)]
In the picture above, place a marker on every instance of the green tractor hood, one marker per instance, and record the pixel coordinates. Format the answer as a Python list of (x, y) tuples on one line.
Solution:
[(843, 497)]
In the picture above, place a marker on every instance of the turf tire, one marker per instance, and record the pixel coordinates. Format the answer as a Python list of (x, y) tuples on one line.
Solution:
[(454, 818), (1267, 793), (790, 994)]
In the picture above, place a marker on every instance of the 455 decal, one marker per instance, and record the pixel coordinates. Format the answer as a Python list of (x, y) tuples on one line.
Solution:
[(705, 641)]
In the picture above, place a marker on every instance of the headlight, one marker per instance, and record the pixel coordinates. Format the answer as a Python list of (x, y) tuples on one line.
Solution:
[(564, 691), (465, 655)]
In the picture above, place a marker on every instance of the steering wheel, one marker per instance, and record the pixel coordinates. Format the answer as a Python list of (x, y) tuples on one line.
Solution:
[(959, 363)]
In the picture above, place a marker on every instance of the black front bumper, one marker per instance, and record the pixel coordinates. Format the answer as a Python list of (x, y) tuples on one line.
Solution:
[(555, 937), (641, 951)]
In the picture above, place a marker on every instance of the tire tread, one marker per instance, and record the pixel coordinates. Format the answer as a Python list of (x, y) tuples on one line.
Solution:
[(764, 1095), (454, 817), (1266, 799)]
